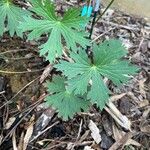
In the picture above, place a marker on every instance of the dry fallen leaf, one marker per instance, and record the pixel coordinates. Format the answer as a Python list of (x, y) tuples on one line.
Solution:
[(88, 148), (14, 141), (28, 136), (95, 133), (21, 139), (10, 122)]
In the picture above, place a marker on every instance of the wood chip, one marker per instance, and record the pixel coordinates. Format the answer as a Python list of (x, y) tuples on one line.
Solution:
[(95, 133)]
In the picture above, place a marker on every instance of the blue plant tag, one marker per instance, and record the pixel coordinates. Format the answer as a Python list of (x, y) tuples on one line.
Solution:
[(89, 11), (84, 11)]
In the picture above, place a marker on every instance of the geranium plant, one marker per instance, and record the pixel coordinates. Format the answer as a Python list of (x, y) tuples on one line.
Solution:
[(79, 80)]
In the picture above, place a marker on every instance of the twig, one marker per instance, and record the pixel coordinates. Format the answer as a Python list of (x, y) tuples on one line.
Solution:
[(42, 132), (20, 58), (141, 42), (11, 131), (20, 72), (14, 142), (13, 51), (102, 35), (105, 10), (6, 111), (69, 3), (78, 136), (80, 128)]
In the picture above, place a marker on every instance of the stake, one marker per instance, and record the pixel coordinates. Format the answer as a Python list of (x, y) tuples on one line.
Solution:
[(96, 9)]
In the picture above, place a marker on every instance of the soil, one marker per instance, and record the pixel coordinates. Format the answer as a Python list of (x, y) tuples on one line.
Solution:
[(22, 95)]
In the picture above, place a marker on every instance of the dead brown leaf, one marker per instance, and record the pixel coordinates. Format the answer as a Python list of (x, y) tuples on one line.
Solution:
[(14, 140), (28, 136), (20, 145), (10, 122)]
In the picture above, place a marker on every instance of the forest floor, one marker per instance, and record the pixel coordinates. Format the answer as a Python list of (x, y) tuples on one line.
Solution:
[(26, 123)]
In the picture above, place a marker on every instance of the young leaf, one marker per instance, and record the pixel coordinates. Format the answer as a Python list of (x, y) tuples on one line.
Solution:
[(66, 103), (60, 30), (13, 14), (107, 62)]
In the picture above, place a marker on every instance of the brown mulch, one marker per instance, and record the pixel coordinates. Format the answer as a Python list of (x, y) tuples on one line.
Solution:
[(22, 96)]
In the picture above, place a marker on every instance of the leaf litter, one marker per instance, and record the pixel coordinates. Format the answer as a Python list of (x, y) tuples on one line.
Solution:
[(135, 33)]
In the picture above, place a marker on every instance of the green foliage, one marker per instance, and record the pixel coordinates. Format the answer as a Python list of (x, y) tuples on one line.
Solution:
[(66, 103), (107, 62), (82, 83), (60, 30), (12, 15)]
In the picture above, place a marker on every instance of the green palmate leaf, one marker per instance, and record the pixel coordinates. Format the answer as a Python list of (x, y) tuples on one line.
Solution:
[(107, 62), (12, 15), (66, 103), (66, 29)]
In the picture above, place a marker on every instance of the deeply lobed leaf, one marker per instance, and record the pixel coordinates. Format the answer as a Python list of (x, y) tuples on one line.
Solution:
[(13, 14), (107, 62), (66, 103), (66, 29)]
